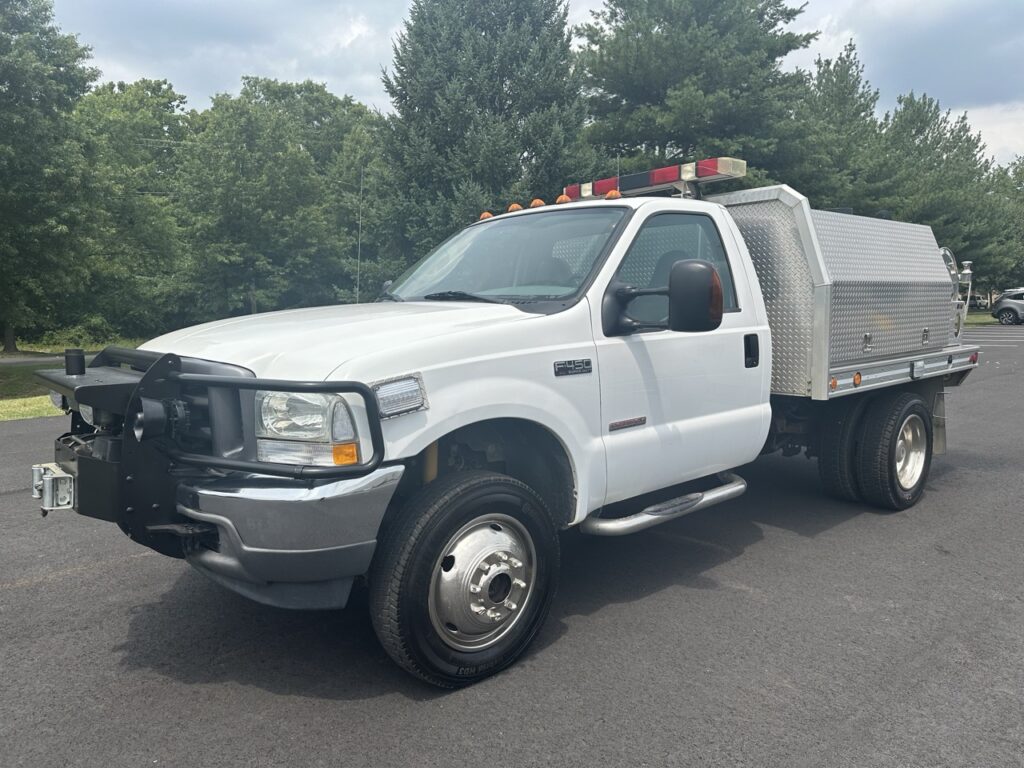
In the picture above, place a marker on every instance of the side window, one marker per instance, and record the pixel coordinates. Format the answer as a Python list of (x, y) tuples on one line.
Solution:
[(664, 239)]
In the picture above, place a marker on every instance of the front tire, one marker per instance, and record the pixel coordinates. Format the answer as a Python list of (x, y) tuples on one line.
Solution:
[(464, 578), (1007, 317), (895, 451)]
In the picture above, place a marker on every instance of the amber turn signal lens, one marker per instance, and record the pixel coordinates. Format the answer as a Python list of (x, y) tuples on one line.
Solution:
[(345, 454), (613, 194), (515, 207), (562, 199), (857, 379), (833, 384)]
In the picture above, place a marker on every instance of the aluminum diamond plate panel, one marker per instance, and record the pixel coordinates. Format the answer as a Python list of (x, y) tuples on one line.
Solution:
[(841, 290), (889, 282), (770, 231)]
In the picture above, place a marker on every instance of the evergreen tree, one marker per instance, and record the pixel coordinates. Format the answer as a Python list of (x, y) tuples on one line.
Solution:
[(488, 110), (932, 168), (839, 136), (671, 80)]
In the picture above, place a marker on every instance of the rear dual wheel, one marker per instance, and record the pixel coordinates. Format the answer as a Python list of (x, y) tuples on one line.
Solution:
[(877, 449), (837, 450), (895, 451), (464, 578)]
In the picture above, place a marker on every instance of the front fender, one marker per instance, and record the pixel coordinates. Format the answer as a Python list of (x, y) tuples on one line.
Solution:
[(570, 415)]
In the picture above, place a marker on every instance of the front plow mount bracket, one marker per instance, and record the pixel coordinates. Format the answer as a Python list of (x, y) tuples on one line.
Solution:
[(54, 487)]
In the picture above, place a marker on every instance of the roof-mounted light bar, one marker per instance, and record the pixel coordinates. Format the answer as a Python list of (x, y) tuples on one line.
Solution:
[(679, 177)]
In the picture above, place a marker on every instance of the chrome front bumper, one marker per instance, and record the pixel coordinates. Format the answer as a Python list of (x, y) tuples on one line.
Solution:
[(290, 546)]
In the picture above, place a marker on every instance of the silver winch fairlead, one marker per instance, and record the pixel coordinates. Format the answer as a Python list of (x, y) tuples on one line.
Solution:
[(54, 486)]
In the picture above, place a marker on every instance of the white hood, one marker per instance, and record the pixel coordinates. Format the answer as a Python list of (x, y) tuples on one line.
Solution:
[(310, 343)]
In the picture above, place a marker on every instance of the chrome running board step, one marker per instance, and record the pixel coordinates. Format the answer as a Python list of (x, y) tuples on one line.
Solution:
[(732, 486)]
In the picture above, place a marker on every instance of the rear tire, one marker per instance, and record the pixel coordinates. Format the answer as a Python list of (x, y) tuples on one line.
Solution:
[(894, 454), (837, 447), (463, 580), (1007, 317)]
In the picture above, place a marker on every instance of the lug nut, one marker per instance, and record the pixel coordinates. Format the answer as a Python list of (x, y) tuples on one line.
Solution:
[(515, 563), (519, 583), (474, 588)]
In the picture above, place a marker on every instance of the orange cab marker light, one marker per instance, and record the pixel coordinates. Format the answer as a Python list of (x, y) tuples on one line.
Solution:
[(345, 454), (486, 215), (833, 384), (613, 194), (857, 379), (515, 207), (562, 199), (536, 202)]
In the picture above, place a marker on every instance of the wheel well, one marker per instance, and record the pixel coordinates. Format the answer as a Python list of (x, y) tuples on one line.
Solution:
[(522, 449)]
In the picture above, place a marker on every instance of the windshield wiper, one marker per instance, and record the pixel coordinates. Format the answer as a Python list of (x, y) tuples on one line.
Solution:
[(459, 296)]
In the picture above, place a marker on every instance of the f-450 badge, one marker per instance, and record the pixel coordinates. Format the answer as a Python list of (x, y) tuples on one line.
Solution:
[(573, 367)]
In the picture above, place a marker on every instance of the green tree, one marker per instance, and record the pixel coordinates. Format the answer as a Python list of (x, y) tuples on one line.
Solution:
[(254, 190), (670, 80), (932, 168), (1015, 221), (43, 213), (132, 136), (488, 110), (839, 135)]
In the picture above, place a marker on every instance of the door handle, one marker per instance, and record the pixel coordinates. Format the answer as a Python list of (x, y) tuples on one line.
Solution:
[(751, 350)]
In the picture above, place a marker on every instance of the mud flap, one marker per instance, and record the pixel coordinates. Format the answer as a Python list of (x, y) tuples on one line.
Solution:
[(939, 424)]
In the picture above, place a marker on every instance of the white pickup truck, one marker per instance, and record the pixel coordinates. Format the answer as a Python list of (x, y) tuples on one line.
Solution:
[(532, 370)]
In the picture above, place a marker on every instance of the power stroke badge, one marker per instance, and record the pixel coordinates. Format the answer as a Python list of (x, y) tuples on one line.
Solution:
[(573, 367)]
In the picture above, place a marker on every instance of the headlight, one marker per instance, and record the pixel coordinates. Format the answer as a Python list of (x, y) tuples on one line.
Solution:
[(402, 395), (305, 428)]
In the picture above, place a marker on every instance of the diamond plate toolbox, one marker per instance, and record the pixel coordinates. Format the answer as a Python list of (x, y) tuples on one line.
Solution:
[(840, 289)]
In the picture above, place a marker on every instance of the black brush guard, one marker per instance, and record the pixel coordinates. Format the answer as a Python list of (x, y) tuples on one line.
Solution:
[(162, 418)]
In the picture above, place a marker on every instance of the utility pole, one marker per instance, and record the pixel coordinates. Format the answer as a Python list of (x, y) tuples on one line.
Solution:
[(359, 234)]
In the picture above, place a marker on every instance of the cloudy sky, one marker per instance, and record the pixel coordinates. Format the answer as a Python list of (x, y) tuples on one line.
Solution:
[(967, 53)]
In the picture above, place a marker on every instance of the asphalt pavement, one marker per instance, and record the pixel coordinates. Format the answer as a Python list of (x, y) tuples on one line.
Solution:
[(781, 629)]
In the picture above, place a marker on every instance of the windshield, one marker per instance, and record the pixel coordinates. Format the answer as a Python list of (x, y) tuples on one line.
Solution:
[(535, 256)]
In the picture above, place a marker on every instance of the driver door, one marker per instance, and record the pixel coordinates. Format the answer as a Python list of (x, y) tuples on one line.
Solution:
[(678, 406)]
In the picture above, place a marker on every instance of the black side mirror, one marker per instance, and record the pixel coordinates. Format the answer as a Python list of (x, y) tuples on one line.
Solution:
[(695, 299)]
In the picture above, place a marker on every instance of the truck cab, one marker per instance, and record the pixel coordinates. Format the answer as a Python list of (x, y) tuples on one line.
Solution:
[(532, 370)]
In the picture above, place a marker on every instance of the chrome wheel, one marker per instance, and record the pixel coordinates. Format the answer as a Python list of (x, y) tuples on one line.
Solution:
[(911, 450), (482, 582)]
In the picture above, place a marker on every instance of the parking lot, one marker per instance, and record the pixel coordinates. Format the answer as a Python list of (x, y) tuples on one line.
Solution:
[(782, 629)]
